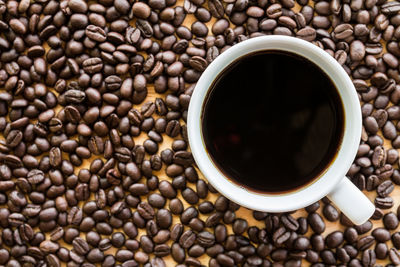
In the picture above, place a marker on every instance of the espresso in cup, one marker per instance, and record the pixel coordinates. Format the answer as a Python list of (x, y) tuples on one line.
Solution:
[(272, 121)]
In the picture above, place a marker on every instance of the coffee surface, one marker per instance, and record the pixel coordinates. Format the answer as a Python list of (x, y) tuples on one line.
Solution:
[(273, 121)]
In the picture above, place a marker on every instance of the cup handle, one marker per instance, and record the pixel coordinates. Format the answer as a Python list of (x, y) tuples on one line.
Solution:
[(352, 202)]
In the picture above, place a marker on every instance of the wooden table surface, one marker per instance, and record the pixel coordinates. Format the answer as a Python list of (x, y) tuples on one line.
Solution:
[(242, 212)]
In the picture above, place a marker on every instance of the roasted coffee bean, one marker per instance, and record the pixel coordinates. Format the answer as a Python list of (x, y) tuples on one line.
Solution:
[(317, 242), (145, 27), (384, 202), (187, 239), (363, 228), (301, 243), (313, 207), (394, 256), (381, 250), (163, 218), (225, 260), (178, 253), (145, 210), (141, 10), (198, 63), (316, 223), (379, 157), (190, 196), (80, 246), (173, 128), (330, 213), (179, 182), (132, 35), (14, 138), (289, 222), (307, 33), (378, 214), (390, 221), (176, 232), (75, 216), (49, 246), (390, 8), (205, 239), (280, 236), (385, 188), (381, 234), (34, 176), (95, 33), (74, 96), (334, 239), (365, 242)]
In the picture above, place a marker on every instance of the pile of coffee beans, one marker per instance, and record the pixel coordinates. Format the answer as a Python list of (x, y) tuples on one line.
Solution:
[(89, 91)]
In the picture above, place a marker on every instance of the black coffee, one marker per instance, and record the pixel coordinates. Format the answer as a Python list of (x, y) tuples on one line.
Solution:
[(273, 121)]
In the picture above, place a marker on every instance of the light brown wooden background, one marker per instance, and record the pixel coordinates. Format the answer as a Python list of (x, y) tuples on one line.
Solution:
[(242, 212)]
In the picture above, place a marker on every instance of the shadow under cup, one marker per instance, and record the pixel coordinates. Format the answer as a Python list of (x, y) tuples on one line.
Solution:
[(272, 122)]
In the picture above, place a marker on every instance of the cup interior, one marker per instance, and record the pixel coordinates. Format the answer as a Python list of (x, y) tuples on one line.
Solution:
[(333, 173)]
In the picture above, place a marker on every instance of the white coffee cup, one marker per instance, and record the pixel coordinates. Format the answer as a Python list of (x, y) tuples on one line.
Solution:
[(332, 182)]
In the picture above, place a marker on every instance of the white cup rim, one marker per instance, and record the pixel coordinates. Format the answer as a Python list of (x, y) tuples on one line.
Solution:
[(336, 170)]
